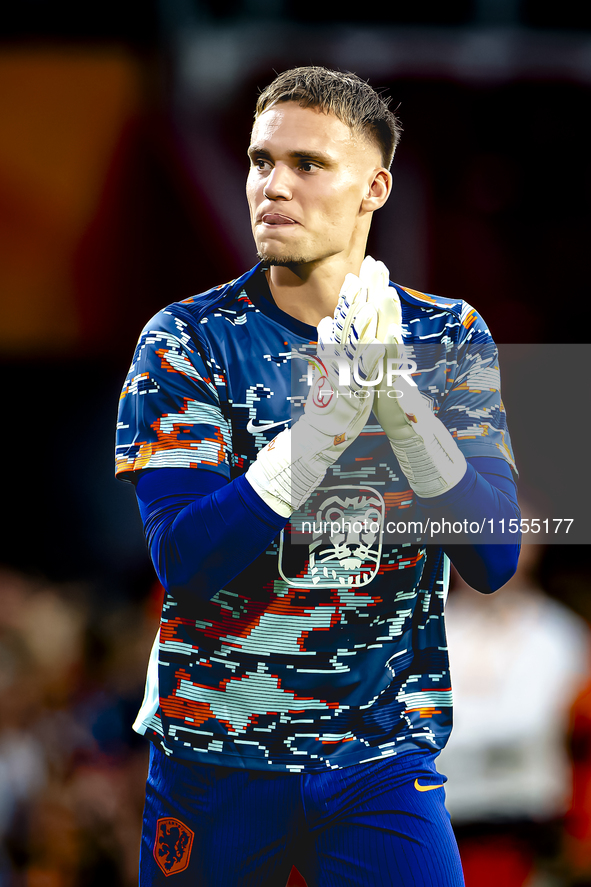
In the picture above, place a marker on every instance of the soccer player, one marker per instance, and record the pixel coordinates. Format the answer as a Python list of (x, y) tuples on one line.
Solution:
[(298, 691)]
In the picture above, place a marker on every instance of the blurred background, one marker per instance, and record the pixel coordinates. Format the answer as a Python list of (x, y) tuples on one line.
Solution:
[(123, 131)]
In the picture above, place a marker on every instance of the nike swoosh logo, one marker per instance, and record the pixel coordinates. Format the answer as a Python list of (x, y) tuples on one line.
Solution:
[(426, 788), (253, 428)]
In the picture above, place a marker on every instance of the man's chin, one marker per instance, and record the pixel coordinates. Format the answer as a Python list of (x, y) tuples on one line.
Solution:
[(285, 261)]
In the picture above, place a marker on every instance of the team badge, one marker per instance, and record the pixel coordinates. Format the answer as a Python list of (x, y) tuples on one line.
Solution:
[(172, 847), (340, 539)]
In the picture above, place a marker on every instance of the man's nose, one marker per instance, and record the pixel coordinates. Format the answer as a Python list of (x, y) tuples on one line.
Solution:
[(278, 184)]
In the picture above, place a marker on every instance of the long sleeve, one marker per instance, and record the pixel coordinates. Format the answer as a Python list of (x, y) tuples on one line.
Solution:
[(486, 492), (202, 531)]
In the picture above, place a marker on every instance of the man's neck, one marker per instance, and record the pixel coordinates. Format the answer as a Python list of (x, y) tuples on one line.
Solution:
[(309, 293)]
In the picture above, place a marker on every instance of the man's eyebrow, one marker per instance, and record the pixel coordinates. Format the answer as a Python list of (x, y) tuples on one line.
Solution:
[(314, 156), (255, 151)]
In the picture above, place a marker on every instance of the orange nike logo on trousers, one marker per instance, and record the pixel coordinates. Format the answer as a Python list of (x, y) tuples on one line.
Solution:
[(426, 788)]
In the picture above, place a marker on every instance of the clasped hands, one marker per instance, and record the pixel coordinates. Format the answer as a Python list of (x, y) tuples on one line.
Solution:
[(353, 370), (361, 364)]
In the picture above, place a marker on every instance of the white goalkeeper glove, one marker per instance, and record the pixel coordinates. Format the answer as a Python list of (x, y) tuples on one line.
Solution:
[(426, 452), (294, 463)]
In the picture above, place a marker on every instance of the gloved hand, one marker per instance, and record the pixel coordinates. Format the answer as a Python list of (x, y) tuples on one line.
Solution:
[(427, 453), (338, 405)]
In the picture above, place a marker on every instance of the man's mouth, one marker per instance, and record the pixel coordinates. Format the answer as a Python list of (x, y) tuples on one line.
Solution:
[(277, 219)]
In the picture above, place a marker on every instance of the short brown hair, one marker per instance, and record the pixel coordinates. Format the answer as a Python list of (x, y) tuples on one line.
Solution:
[(343, 94)]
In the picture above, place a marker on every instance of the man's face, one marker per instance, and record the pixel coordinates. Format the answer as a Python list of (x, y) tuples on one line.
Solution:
[(309, 174)]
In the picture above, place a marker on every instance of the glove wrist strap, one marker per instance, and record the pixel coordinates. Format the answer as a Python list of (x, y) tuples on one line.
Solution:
[(282, 483), (431, 460)]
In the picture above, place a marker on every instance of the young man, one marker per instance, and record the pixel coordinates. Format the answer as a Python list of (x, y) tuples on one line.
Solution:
[(298, 694)]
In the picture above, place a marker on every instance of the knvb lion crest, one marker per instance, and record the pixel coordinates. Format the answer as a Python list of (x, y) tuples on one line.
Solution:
[(172, 847), (345, 526)]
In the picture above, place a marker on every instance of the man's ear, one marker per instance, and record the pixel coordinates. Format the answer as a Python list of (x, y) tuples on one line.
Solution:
[(378, 190)]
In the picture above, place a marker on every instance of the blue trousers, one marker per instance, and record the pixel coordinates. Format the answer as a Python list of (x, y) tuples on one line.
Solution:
[(378, 824)]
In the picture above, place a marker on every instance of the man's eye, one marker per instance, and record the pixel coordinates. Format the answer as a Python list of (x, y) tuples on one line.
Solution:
[(308, 166), (260, 163)]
